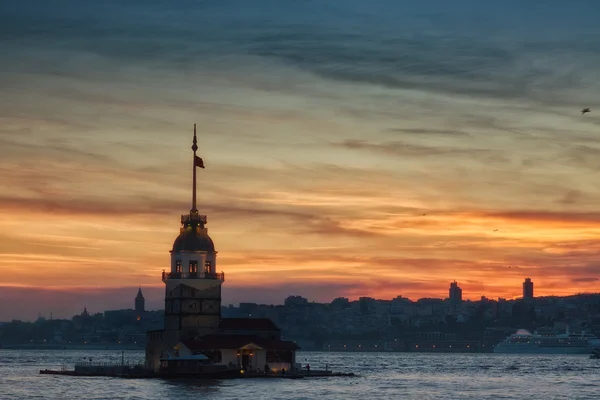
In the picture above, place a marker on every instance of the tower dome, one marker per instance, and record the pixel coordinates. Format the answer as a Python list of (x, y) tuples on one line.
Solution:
[(193, 235)]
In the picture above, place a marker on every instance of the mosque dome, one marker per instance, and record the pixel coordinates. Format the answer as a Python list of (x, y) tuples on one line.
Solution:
[(191, 239)]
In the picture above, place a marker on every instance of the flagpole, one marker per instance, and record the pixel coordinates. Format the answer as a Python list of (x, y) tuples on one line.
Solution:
[(194, 147)]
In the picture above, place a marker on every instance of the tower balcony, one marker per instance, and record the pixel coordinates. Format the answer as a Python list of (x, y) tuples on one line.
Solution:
[(192, 275), (193, 216)]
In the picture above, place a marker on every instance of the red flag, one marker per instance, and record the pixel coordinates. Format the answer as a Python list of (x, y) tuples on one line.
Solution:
[(198, 162)]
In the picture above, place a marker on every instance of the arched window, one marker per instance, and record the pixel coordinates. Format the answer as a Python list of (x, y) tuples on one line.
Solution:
[(193, 267)]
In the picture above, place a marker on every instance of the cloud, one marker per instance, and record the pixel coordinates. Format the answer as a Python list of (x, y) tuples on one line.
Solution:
[(299, 219), (582, 156), (425, 131), (550, 217), (86, 207), (467, 65), (399, 54), (575, 280), (571, 197), (404, 149)]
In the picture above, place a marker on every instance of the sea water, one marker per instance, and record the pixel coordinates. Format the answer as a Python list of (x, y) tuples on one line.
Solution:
[(380, 376)]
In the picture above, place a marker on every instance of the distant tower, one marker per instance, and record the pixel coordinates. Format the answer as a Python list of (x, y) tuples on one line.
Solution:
[(455, 294), (193, 287), (527, 289), (139, 304)]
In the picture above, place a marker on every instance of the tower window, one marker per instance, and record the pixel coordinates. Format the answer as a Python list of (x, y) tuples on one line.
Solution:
[(178, 266), (193, 267), (207, 267)]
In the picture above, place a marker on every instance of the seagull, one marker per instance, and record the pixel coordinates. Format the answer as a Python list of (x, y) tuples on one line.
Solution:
[(585, 110), (495, 230)]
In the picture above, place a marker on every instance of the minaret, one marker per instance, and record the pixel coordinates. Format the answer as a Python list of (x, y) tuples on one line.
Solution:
[(193, 286), (139, 304)]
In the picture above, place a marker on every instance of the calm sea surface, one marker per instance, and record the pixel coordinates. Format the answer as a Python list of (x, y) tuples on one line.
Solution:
[(382, 376)]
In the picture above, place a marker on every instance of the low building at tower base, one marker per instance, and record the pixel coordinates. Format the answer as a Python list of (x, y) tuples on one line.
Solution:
[(247, 344)]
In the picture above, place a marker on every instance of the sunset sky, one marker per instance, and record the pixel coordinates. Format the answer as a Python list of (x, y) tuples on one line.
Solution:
[(352, 148)]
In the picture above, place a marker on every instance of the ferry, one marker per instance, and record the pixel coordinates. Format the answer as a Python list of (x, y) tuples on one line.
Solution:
[(525, 342)]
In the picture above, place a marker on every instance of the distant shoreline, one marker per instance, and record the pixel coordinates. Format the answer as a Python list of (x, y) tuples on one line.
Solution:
[(69, 347)]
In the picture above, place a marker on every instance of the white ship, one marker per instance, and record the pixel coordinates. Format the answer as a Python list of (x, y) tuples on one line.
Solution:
[(525, 342)]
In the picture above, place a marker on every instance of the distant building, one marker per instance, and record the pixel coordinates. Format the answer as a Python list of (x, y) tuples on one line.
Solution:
[(455, 294), (340, 303), (139, 304), (295, 301), (527, 289)]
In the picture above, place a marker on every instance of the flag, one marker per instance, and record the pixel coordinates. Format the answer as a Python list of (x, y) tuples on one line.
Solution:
[(198, 162)]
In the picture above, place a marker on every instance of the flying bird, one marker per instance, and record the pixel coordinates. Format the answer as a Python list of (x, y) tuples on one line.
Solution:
[(585, 110), (495, 230)]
